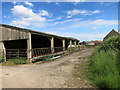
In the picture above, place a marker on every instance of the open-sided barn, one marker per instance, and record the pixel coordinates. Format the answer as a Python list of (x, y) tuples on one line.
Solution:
[(28, 43)]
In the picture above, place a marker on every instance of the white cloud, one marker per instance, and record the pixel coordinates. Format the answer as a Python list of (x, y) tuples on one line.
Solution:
[(26, 16), (106, 3), (44, 13), (63, 0), (75, 0), (58, 18), (21, 11), (71, 20), (80, 23), (69, 16), (52, 32), (57, 3), (96, 11), (104, 22), (94, 27), (94, 23), (14, 2), (82, 12), (28, 3), (86, 36), (20, 23), (80, 36), (6, 16), (67, 21)]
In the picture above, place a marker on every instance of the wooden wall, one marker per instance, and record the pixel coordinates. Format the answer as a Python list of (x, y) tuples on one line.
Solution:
[(13, 34)]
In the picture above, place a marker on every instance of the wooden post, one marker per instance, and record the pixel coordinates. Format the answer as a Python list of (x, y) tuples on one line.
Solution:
[(4, 51), (78, 46), (70, 45), (52, 45), (75, 44), (63, 44), (29, 47)]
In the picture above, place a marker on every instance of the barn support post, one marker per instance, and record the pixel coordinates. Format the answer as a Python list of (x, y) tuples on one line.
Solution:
[(78, 45), (52, 45), (29, 46), (70, 45), (63, 44), (3, 51), (75, 43)]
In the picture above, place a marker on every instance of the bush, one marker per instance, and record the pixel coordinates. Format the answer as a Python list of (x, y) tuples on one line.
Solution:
[(104, 64), (111, 43)]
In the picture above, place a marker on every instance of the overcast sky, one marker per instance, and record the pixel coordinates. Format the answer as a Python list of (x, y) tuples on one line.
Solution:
[(82, 20)]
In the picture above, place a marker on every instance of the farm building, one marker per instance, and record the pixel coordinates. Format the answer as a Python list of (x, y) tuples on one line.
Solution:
[(88, 43), (16, 41), (97, 42), (110, 34)]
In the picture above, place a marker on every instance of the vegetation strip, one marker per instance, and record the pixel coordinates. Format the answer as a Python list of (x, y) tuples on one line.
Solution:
[(104, 64)]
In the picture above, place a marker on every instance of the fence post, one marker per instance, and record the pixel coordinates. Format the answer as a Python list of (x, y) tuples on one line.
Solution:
[(63, 44), (4, 54), (52, 45), (29, 46), (70, 45)]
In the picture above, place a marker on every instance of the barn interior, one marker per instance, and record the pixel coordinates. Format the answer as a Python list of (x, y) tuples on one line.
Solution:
[(26, 43)]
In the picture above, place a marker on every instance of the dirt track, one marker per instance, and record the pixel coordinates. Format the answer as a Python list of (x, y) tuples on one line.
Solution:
[(54, 74)]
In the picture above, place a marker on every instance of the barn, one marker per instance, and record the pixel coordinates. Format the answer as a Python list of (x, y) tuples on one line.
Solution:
[(21, 42), (111, 34)]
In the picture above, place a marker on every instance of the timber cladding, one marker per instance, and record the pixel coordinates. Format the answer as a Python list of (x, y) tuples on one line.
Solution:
[(110, 34), (13, 34)]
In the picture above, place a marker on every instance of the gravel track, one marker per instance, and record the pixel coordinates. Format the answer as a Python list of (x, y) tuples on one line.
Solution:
[(55, 74)]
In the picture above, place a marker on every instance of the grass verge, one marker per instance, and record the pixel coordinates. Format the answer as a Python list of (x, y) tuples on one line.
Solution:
[(103, 70), (104, 64), (15, 61)]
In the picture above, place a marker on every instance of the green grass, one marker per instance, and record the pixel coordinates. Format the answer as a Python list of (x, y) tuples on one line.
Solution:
[(72, 50), (80, 76), (81, 69), (16, 61), (103, 70), (104, 64), (90, 46), (1, 58)]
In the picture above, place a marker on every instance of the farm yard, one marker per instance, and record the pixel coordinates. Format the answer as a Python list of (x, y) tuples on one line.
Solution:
[(60, 45), (59, 73), (91, 67)]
